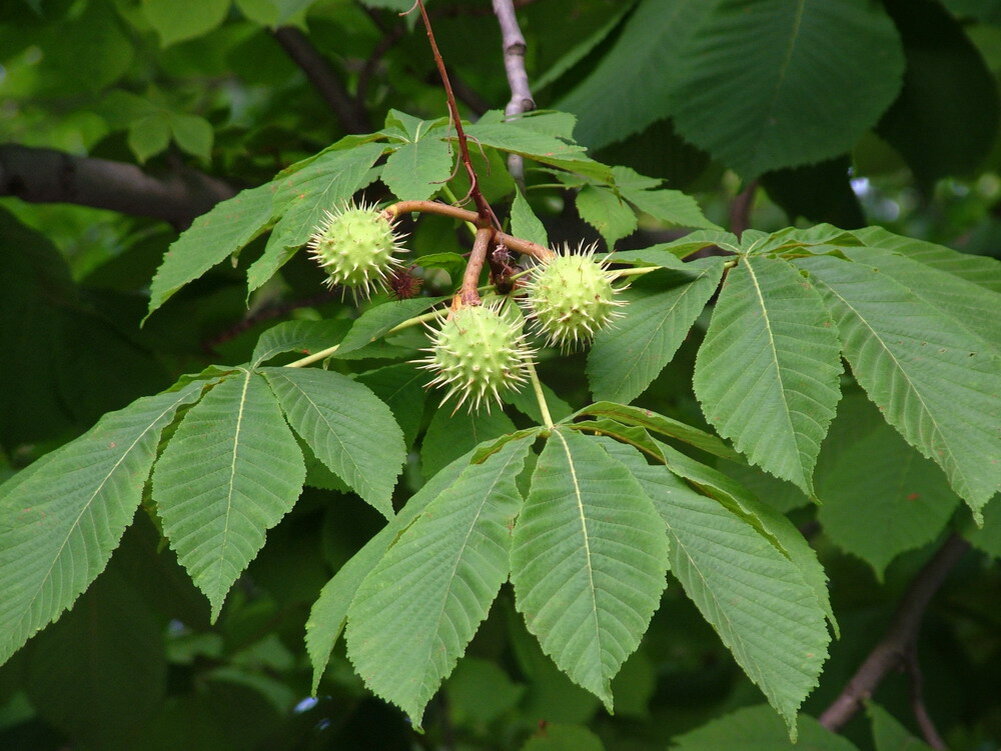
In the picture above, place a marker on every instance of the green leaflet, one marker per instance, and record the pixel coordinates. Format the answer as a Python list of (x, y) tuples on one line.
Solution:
[(650, 420), (302, 337), (377, 321), (767, 373), (588, 561), (327, 616), (401, 387), (61, 518), (231, 471), (769, 522), (606, 212), (880, 497), (890, 735), (758, 729), (524, 222), (780, 83), (176, 20), (757, 599), (347, 427), (629, 355), (417, 170), (414, 614), (222, 231), (933, 379)]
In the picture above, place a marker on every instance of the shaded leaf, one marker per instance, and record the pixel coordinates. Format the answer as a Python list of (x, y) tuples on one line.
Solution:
[(758, 729), (524, 222), (451, 435), (888, 734), (175, 20), (379, 320)]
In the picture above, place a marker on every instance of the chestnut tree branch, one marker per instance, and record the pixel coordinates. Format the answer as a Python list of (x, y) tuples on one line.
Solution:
[(521, 100), (350, 113), (40, 175), (928, 730), (468, 293), (900, 637)]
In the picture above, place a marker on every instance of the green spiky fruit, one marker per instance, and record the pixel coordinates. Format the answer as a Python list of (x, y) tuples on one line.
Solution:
[(356, 246), (478, 353), (569, 298)]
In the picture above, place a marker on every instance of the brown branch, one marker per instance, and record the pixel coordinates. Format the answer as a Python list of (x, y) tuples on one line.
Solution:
[(928, 730), (482, 207), (50, 176), (468, 293), (538, 252), (900, 637), (740, 209), (521, 100), (434, 207), (350, 113)]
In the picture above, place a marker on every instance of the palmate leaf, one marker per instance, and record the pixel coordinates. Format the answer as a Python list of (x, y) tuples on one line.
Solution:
[(347, 426), (588, 561), (61, 518), (416, 170), (225, 229), (767, 373), (230, 472), (414, 614), (626, 357), (932, 379), (757, 599), (330, 611), (779, 83)]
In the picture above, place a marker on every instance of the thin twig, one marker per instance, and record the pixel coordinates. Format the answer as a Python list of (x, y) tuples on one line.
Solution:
[(49, 176), (901, 635), (350, 112), (474, 266), (482, 207), (521, 100), (928, 730), (740, 209)]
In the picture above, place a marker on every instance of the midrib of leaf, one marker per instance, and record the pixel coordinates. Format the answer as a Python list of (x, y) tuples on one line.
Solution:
[(232, 472), (775, 359), (907, 380), (587, 538), (182, 396), (465, 542)]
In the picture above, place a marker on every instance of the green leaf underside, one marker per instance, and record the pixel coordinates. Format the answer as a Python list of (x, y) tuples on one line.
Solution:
[(636, 437), (324, 185), (930, 377), (980, 270), (755, 597), (347, 426), (401, 387), (880, 496), (888, 734), (626, 357), (329, 612), (222, 231), (231, 471), (758, 729), (303, 337), (781, 83), (415, 171), (772, 525), (588, 561), (61, 518), (415, 613), (666, 426), (524, 222), (767, 373)]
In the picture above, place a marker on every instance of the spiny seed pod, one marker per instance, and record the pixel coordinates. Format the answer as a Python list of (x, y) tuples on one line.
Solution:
[(570, 297), (355, 246), (478, 353)]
